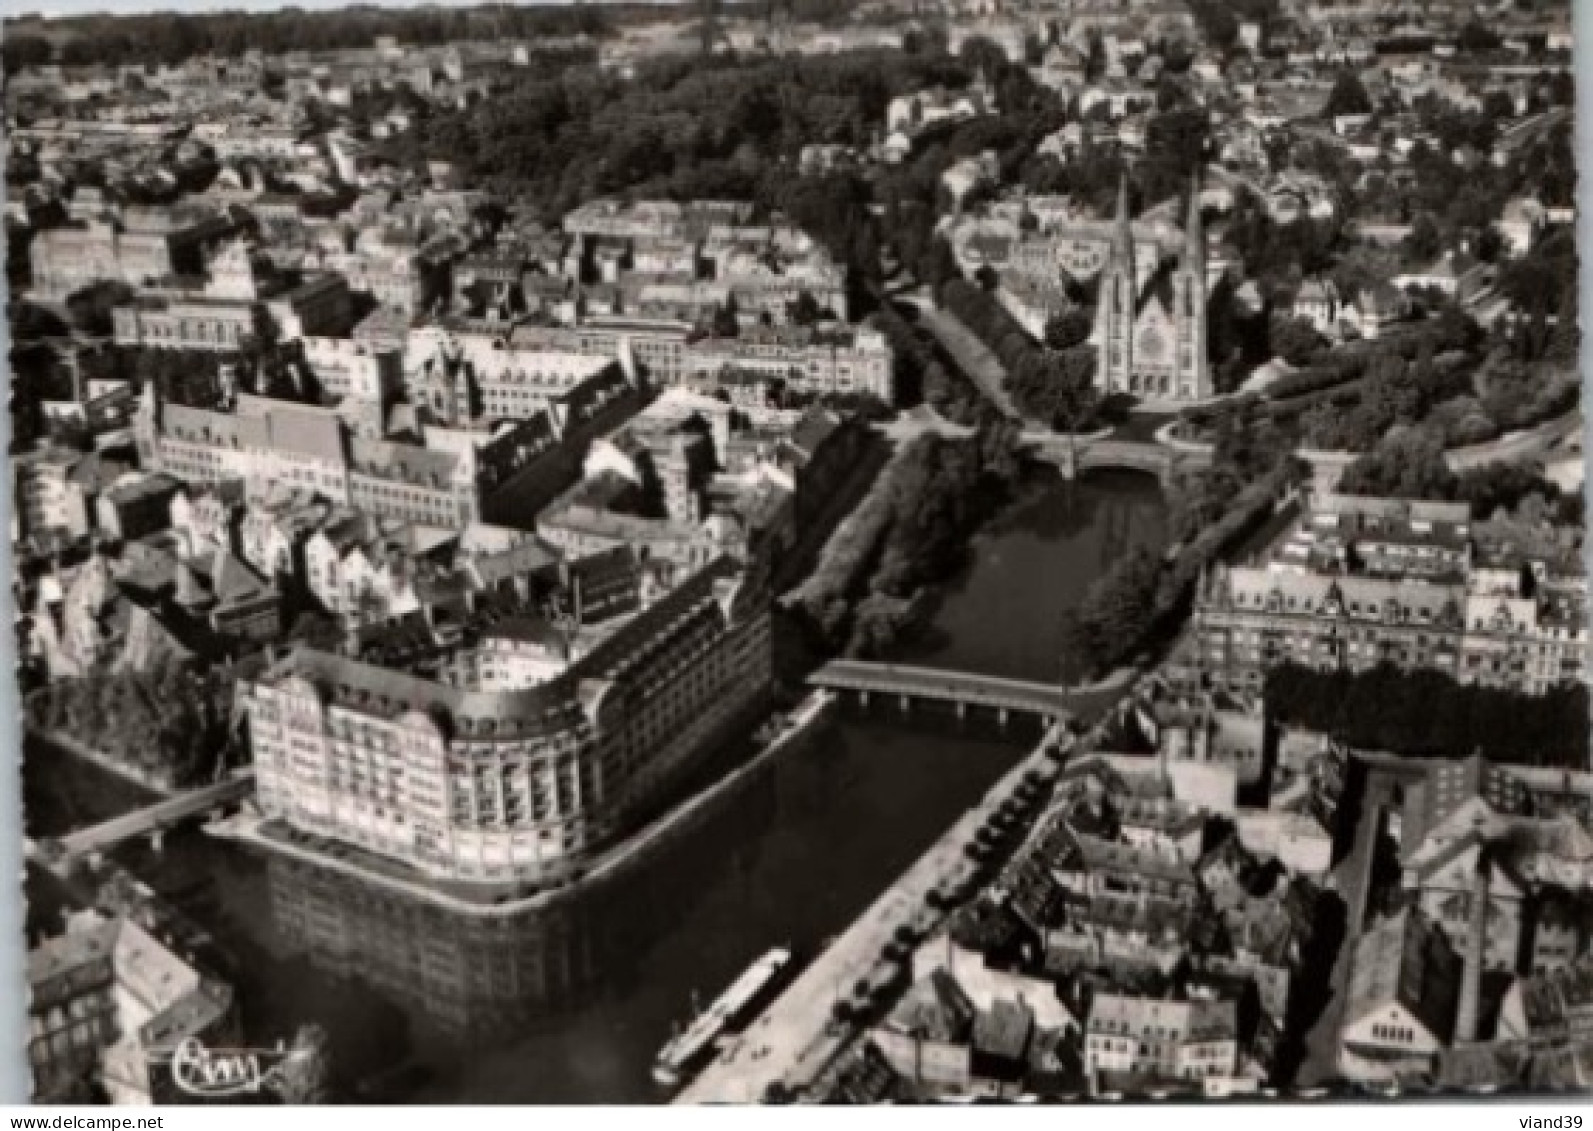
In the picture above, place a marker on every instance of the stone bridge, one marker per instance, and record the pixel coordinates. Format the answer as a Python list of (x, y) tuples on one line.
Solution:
[(1073, 455)]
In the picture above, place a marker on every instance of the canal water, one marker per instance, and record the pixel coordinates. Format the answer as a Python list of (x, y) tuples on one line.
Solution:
[(571, 1003), (1003, 614)]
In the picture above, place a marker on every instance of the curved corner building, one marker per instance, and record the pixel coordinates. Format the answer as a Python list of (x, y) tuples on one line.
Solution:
[(501, 767)]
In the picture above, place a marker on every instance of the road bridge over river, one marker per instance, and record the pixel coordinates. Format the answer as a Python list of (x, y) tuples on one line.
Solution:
[(151, 821), (962, 689)]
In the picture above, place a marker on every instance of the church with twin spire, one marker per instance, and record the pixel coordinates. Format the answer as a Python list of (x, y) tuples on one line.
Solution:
[(1150, 330)]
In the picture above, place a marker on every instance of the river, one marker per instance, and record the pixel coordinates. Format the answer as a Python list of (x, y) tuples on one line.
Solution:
[(570, 1004)]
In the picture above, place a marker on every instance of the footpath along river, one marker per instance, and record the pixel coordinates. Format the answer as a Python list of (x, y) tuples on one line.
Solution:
[(570, 1004)]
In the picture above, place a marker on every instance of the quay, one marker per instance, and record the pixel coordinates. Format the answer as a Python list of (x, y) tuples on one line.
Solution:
[(797, 1037)]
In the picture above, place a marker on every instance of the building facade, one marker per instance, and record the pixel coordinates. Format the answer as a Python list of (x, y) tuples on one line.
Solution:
[(512, 783), (1363, 582), (1151, 338)]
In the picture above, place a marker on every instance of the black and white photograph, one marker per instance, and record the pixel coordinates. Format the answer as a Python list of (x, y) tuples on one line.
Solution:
[(797, 552)]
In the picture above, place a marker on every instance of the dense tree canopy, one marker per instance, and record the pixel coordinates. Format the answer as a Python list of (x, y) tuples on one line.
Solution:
[(169, 722), (704, 128), (1053, 387), (1428, 714), (1348, 96), (170, 37)]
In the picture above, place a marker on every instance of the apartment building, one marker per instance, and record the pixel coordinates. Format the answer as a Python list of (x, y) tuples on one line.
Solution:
[(1167, 1040), (1367, 581), (523, 776)]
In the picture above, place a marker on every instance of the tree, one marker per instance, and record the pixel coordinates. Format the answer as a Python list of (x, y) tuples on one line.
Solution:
[(1293, 339), (21, 51), (1425, 713), (1070, 328), (940, 264), (1217, 21), (1477, 36), (1489, 245), (1117, 611), (30, 322), (1408, 464), (305, 1074), (725, 322), (805, 310), (1424, 244)]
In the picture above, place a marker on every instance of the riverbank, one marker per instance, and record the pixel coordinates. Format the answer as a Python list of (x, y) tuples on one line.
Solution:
[(797, 1037), (908, 537), (249, 828), (79, 749), (572, 1004)]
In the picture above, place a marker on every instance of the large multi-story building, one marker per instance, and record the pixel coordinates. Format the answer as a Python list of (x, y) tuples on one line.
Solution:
[(460, 373), (1362, 582), (51, 502), (495, 767), (1401, 1003), (147, 246), (192, 323), (839, 360), (452, 479), (236, 303)]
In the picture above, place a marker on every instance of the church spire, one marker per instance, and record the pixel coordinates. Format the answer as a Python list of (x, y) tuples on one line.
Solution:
[(1194, 232), (1124, 233)]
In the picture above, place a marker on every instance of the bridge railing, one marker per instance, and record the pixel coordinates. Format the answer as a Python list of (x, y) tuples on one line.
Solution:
[(931, 683)]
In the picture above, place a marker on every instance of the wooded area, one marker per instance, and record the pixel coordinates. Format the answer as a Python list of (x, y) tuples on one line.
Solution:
[(1428, 714)]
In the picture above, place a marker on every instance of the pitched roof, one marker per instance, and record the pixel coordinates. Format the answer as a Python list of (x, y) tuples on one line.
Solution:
[(934, 1009), (1405, 960), (1003, 1029), (1550, 1000), (404, 463), (234, 580)]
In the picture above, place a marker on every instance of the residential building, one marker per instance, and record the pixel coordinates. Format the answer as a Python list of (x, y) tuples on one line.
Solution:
[(477, 773), (1363, 582), (110, 1003), (1155, 1039)]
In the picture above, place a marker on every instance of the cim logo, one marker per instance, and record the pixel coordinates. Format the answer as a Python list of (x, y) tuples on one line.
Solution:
[(225, 1073)]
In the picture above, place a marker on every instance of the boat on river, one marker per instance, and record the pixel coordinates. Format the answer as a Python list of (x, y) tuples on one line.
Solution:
[(690, 1046)]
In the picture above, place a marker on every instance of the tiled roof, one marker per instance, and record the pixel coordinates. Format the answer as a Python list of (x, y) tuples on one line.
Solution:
[(934, 1009), (404, 463), (1405, 960), (1003, 1029)]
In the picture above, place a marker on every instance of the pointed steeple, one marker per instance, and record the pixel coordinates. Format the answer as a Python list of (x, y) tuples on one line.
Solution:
[(1194, 231), (1123, 238)]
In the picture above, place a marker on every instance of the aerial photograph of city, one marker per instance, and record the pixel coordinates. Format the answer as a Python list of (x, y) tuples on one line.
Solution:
[(799, 552)]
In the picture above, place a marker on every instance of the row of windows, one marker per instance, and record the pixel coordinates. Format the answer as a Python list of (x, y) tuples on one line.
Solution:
[(1394, 1034)]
